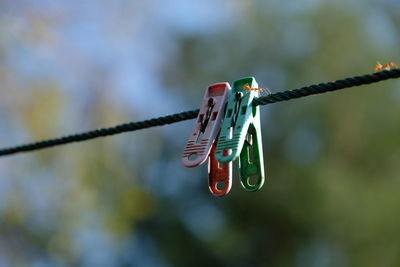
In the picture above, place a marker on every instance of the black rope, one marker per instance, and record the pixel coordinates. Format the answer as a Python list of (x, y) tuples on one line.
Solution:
[(328, 87), (127, 127), (187, 115)]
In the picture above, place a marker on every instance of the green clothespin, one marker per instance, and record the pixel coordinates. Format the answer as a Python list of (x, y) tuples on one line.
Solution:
[(241, 134)]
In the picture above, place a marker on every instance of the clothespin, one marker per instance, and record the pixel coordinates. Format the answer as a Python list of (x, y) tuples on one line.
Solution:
[(204, 134), (241, 135)]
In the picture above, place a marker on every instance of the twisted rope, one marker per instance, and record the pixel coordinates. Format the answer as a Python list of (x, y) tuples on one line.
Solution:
[(191, 114), (126, 127), (328, 87)]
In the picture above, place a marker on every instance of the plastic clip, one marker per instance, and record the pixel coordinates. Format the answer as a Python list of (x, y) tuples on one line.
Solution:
[(207, 126), (219, 178), (241, 135)]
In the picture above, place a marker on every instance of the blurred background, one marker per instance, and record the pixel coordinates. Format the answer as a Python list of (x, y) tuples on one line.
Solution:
[(332, 161)]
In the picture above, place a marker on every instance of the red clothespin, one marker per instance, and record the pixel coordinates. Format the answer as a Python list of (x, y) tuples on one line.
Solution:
[(219, 178), (204, 134)]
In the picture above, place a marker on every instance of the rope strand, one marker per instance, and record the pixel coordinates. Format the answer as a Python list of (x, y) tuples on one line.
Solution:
[(191, 114)]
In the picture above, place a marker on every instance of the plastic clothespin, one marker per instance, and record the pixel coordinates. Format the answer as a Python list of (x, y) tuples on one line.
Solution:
[(241, 135), (219, 178), (203, 139), (207, 126)]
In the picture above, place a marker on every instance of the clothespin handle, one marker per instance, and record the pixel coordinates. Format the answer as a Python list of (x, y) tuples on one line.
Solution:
[(219, 178), (251, 163)]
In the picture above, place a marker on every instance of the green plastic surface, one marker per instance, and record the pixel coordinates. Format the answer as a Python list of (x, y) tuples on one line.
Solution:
[(251, 162)]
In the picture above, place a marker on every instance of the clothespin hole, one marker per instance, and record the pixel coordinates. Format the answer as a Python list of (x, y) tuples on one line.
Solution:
[(214, 116), (250, 147), (253, 180), (220, 185), (201, 118)]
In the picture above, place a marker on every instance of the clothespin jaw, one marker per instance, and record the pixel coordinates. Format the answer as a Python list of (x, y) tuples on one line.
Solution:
[(207, 125), (239, 114), (219, 178)]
